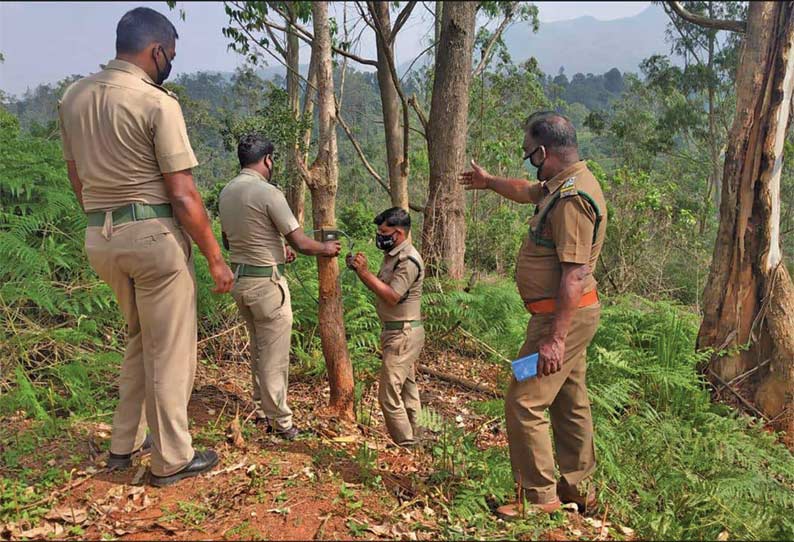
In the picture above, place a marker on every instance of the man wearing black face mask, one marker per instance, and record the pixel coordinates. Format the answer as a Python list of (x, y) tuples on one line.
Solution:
[(256, 219), (554, 273), (130, 163), (398, 286)]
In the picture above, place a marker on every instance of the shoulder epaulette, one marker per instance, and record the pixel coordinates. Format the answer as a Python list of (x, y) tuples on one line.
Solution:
[(160, 87), (568, 188)]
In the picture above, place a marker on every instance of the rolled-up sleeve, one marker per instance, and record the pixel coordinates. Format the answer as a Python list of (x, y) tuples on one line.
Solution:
[(171, 143)]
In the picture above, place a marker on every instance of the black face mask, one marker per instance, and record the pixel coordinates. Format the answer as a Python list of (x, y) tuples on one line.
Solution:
[(384, 242), (538, 167), (162, 75)]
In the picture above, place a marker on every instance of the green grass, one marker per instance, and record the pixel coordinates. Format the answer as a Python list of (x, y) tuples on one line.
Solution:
[(672, 464)]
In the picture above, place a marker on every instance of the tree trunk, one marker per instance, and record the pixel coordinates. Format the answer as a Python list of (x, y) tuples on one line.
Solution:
[(390, 104), (296, 187), (749, 296), (713, 190), (437, 26), (322, 179), (444, 231)]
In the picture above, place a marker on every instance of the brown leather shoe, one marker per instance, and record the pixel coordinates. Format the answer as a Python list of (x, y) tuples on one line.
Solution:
[(512, 511), (569, 494)]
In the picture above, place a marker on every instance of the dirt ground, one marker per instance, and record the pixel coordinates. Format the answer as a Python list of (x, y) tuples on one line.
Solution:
[(335, 482)]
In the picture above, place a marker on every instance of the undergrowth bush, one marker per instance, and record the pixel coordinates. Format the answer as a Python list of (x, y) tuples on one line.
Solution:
[(672, 464)]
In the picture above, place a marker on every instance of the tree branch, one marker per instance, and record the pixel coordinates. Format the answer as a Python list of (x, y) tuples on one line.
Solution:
[(402, 18), (419, 112), (308, 37), (365, 162), (388, 51), (705, 22), (420, 55), (684, 38), (274, 40), (488, 51), (268, 51)]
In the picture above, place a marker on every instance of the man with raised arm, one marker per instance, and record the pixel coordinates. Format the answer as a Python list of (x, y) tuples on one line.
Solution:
[(129, 161), (554, 273), (255, 219)]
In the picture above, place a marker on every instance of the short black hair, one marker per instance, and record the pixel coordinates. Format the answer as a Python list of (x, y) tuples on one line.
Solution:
[(552, 130), (140, 27), (396, 217), (252, 148)]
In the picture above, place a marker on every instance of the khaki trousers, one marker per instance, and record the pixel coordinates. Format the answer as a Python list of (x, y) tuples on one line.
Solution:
[(149, 267), (266, 307), (397, 392), (564, 395)]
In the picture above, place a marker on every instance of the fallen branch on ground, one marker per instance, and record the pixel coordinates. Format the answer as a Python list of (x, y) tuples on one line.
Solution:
[(459, 381)]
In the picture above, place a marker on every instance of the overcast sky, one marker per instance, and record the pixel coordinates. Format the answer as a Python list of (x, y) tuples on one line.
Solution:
[(43, 42)]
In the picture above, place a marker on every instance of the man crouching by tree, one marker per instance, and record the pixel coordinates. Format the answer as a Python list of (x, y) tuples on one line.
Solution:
[(398, 287), (554, 273)]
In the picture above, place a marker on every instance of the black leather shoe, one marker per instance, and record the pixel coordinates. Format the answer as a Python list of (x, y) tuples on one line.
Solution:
[(201, 463), (124, 461)]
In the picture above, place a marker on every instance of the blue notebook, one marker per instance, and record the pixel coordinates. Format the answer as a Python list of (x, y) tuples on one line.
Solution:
[(526, 367)]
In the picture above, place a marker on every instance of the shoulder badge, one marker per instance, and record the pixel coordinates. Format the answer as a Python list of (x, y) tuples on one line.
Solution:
[(160, 87), (568, 188)]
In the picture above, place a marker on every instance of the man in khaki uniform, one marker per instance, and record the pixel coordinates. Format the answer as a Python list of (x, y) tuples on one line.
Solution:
[(554, 273), (129, 161), (255, 219), (398, 287)]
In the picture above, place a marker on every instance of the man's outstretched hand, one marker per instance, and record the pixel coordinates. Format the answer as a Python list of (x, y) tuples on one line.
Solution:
[(476, 179)]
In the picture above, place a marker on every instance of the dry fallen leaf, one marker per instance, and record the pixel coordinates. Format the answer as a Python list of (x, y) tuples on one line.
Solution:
[(594, 522), (724, 535), (135, 491), (628, 531), (138, 478), (380, 530), (346, 438), (115, 492), (236, 433), (45, 530), (77, 516)]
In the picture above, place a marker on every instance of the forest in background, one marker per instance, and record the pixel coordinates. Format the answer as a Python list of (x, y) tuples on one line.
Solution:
[(656, 141)]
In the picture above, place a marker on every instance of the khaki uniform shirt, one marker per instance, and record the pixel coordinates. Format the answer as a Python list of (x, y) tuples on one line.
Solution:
[(254, 216), (123, 132), (569, 226), (405, 278)]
